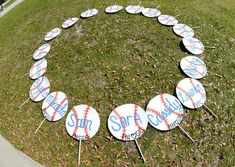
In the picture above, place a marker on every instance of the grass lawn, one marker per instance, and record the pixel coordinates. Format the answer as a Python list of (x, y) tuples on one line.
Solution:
[(110, 60)]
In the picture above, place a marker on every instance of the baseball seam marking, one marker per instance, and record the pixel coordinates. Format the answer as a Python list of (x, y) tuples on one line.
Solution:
[(56, 110), (123, 123), (190, 98), (84, 122), (151, 110), (136, 121)]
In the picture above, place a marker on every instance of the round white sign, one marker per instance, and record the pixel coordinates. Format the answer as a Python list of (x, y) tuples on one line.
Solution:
[(38, 69), (113, 9), (55, 106), (41, 51), (69, 22), (82, 122), (39, 89), (89, 13), (194, 67), (193, 45), (52, 34), (150, 12), (183, 30), (164, 112), (167, 20), (191, 93), (134, 9), (127, 122)]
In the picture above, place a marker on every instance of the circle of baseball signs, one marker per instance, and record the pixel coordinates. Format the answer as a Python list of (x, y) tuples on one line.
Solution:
[(82, 122), (194, 67), (55, 106), (191, 93), (164, 112), (127, 122)]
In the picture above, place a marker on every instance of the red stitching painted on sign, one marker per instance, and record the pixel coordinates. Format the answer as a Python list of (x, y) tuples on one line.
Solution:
[(42, 69), (44, 109), (85, 121), (56, 110), (76, 117), (187, 95), (38, 84), (123, 123), (191, 81), (151, 110), (44, 89), (136, 121), (165, 105)]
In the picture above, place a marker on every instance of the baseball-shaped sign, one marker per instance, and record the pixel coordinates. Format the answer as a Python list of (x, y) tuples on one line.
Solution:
[(164, 112), (183, 30), (55, 106), (82, 122), (69, 22), (89, 13), (39, 89), (113, 9), (193, 67), (150, 12), (38, 69), (191, 93), (127, 122), (52, 34), (41, 51), (193, 45), (134, 9), (167, 20)]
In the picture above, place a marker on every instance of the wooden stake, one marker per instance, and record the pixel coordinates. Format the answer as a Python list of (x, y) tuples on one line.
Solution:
[(23, 76), (40, 125), (177, 15), (24, 103), (210, 111), (214, 74), (137, 144), (186, 133), (79, 152), (210, 47), (158, 7)]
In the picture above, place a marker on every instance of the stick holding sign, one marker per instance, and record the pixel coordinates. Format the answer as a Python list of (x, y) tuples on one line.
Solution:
[(24, 103), (79, 152), (214, 74), (137, 144), (40, 125), (82, 123), (210, 111), (186, 133), (128, 122)]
